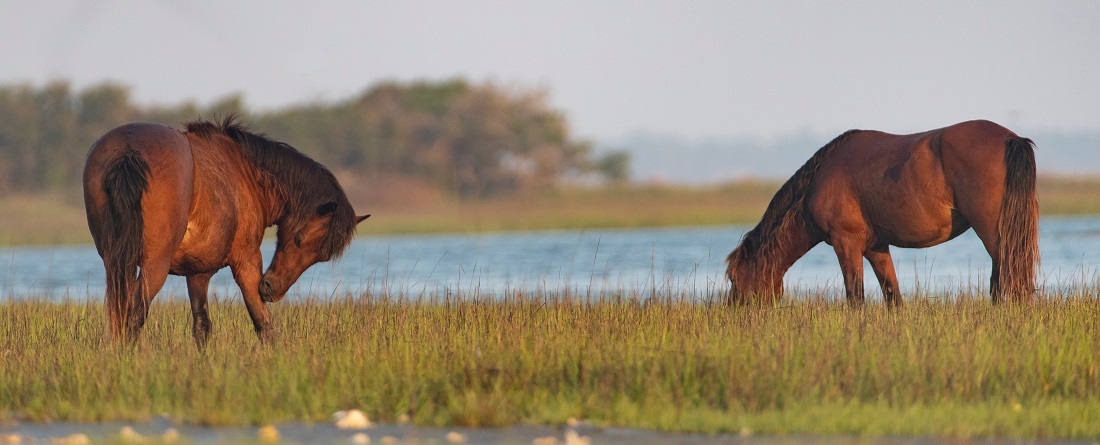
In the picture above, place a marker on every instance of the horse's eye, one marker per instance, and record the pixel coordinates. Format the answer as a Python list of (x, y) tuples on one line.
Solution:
[(326, 208), (298, 240)]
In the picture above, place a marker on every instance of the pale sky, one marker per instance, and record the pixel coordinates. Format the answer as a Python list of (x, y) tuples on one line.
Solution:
[(693, 69)]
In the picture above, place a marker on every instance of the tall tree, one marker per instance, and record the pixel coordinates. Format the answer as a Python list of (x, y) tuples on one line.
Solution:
[(474, 140)]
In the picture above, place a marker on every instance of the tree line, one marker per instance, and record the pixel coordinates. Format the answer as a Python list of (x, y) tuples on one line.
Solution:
[(472, 140)]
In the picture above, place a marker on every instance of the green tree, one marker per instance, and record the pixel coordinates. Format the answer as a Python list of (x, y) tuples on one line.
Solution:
[(474, 140), (615, 166)]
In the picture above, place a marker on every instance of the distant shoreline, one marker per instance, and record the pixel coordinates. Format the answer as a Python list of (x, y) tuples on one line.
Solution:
[(58, 218)]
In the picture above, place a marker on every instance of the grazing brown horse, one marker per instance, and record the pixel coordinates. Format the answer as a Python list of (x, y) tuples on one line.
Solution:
[(867, 190), (161, 202)]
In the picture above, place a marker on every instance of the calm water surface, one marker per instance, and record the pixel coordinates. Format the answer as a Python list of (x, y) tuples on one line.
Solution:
[(688, 260)]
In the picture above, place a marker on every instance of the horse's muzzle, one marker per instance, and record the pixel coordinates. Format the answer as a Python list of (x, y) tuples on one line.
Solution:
[(266, 292)]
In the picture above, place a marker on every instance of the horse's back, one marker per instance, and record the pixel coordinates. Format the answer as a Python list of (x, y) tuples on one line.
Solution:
[(165, 175), (155, 142), (905, 188)]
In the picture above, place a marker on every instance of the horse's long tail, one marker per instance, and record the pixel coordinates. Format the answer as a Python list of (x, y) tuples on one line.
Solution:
[(1018, 225), (126, 181)]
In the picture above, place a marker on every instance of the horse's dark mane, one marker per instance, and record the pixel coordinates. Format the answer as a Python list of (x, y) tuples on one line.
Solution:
[(790, 197), (303, 184)]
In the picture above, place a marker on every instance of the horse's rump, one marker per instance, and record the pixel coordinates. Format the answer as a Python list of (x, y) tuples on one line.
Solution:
[(124, 183), (120, 179)]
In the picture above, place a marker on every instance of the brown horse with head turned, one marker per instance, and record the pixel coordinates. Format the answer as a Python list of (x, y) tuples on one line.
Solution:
[(867, 190), (161, 202)]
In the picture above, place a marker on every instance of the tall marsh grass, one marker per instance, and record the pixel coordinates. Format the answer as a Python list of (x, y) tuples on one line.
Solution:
[(959, 367)]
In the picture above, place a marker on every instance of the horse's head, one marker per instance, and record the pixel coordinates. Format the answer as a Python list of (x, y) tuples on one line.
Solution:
[(751, 280), (319, 237)]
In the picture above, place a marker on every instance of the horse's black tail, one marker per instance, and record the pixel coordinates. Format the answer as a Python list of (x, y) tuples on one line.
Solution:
[(1018, 225), (126, 181)]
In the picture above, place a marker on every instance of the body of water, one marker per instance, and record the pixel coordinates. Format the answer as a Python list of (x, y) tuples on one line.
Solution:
[(688, 260)]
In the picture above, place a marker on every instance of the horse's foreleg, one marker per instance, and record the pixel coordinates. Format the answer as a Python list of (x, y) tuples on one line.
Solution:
[(883, 265), (197, 286), (248, 274), (851, 266)]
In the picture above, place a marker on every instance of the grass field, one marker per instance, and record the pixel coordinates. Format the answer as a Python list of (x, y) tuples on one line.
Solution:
[(949, 368), (59, 218)]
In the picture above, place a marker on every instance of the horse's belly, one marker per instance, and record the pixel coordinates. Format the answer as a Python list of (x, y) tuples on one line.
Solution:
[(201, 251), (922, 230), (919, 242)]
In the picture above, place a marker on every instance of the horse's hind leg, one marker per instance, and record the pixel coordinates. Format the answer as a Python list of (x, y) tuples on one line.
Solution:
[(150, 281), (197, 286), (883, 265), (986, 229)]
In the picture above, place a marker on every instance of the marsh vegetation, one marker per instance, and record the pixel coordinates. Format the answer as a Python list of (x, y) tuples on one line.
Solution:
[(956, 367)]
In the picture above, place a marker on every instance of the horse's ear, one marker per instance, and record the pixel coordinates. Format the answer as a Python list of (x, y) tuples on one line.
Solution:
[(359, 219), (326, 208)]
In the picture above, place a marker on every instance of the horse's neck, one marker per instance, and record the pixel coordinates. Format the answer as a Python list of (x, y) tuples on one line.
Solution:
[(280, 194), (272, 195), (791, 242)]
